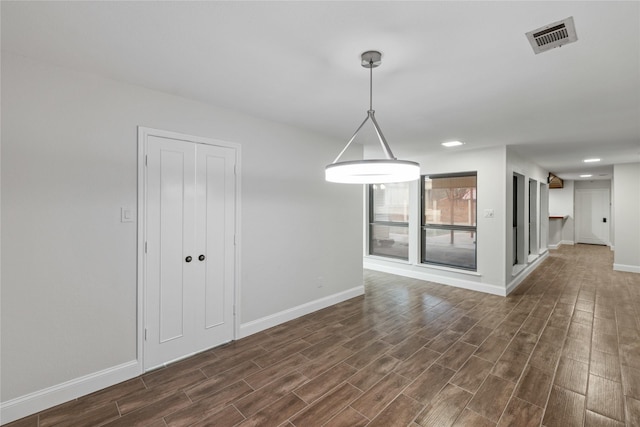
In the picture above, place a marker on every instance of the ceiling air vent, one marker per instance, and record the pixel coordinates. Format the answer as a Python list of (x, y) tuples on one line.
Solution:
[(552, 35)]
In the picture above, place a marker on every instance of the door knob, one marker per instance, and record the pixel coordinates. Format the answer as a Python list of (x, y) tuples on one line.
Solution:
[(188, 259), (201, 257)]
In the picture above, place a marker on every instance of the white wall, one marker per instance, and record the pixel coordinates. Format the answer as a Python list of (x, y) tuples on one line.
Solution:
[(489, 165), (561, 203), (626, 186), (69, 265)]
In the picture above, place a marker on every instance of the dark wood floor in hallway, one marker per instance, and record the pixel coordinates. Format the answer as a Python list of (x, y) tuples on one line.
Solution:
[(562, 350)]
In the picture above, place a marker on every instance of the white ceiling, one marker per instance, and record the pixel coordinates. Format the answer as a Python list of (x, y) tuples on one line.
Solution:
[(450, 70)]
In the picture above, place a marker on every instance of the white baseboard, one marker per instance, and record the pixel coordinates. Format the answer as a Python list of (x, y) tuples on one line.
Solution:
[(272, 320), (560, 243), (31, 403), (627, 268), (430, 277)]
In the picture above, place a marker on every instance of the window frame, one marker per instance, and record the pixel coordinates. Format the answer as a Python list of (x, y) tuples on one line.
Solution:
[(373, 223), (448, 227)]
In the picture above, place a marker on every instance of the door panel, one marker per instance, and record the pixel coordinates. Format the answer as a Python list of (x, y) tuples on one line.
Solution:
[(216, 199), (171, 220)]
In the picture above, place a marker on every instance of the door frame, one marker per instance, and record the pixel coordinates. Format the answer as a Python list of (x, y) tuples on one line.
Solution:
[(143, 134)]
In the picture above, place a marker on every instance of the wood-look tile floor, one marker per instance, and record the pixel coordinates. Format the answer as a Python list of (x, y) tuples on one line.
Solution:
[(562, 350)]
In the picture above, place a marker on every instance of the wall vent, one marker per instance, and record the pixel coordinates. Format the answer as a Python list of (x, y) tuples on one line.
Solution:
[(552, 35)]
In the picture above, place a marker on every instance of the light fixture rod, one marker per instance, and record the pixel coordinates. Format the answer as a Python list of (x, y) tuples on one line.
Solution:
[(381, 138), (351, 140), (383, 142), (371, 84)]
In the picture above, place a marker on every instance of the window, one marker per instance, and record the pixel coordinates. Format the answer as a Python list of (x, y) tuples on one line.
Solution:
[(449, 220), (519, 250), (389, 220)]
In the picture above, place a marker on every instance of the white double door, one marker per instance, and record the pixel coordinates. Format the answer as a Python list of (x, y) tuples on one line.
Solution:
[(190, 256)]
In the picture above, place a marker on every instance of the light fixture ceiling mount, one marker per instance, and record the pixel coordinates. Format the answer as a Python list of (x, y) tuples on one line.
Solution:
[(374, 171)]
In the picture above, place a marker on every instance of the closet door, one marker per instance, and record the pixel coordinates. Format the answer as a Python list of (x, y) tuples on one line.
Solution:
[(189, 261)]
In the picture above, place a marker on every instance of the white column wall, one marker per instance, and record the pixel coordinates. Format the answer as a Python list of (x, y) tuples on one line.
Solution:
[(626, 187)]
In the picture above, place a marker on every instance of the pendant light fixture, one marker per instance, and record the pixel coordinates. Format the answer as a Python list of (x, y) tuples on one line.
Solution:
[(373, 171)]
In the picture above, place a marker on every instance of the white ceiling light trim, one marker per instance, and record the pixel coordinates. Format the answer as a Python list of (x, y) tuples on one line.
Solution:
[(592, 160), (452, 144), (375, 171)]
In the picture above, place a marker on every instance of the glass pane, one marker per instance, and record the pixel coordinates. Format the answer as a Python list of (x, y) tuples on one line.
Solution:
[(390, 202), (449, 247), (389, 241), (450, 200)]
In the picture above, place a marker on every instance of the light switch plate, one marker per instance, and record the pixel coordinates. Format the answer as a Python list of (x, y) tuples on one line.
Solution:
[(126, 215)]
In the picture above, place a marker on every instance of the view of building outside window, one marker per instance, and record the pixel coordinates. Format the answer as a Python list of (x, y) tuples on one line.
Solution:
[(389, 220)]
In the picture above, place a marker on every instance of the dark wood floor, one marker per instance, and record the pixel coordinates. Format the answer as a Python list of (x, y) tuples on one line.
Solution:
[(563, 350)]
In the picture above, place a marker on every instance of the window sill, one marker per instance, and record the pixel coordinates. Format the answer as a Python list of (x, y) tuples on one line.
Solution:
[(517, 269), (449, 269), (423, 266), (389, 259)]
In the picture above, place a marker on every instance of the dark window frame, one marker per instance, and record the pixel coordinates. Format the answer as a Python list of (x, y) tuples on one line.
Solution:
[(448, 227), (373, 223)]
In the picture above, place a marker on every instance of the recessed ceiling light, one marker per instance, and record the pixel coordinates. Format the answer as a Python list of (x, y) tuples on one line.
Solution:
[(591, 160), (586, 176), (452, 143)]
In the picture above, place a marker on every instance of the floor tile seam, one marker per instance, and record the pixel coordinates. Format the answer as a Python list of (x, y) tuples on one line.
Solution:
[(238, 410), (477, 413), (402, 390), (387, 353), (527, 363), (513, 396), (606, 378), (619, 359), (232, 367), (278, 361), (623, 420), (586, 395), (310, 405), (402, 393), (349, 406)]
